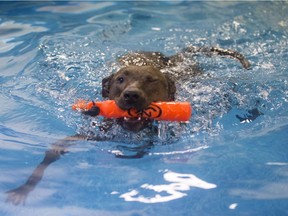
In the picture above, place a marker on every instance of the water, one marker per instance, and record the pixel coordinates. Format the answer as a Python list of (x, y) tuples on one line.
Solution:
[(55, 52)]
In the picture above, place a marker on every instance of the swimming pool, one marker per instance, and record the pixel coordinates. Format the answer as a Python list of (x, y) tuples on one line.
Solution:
[(52, 53)]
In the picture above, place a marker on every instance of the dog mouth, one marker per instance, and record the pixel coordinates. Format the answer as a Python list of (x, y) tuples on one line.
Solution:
[(127, 106), (133, 119), (139, 103), (133, 123)]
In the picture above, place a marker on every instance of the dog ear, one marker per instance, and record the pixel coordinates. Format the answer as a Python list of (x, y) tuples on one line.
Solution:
[(106, 83), (171, 87)]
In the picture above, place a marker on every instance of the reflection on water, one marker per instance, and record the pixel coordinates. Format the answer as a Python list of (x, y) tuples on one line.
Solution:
[(75, 7), (178, 184), (11, 32)]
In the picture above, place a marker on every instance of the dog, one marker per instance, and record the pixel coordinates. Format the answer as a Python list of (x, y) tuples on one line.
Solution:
[(138, 83)]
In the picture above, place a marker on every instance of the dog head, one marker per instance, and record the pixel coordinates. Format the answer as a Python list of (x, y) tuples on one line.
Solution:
[(137, 87)]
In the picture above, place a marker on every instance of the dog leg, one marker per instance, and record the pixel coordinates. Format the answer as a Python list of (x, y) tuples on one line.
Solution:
[(18, 195)]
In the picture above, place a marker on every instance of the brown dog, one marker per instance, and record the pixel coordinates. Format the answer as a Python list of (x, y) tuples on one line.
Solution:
[(136, 85), (141, 81)]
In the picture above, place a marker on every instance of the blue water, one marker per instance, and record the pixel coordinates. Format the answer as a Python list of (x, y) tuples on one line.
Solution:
[(52, 53)]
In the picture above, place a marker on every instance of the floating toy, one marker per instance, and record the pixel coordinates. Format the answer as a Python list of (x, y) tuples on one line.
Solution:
[(165, 111)]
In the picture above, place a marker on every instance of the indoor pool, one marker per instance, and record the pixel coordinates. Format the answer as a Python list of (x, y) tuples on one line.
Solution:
[(231, 158)]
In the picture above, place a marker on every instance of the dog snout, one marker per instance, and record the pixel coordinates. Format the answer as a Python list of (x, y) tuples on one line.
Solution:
[(131, 96)]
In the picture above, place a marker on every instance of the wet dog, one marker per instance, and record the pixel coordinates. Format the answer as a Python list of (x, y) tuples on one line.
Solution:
[(138, 83)]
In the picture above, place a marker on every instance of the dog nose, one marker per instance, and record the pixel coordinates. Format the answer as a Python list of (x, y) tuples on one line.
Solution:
[(131, 96)]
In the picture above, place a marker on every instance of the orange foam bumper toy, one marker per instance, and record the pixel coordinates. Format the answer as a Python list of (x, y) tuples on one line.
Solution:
[(164, 111)]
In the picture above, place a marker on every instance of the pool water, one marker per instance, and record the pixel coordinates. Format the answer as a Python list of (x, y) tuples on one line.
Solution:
[(52, 53)]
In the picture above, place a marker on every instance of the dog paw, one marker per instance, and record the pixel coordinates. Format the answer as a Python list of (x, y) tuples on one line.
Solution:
[(16, 197)]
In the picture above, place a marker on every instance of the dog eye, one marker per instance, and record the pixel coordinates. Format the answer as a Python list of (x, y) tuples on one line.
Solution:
[(120, 80)]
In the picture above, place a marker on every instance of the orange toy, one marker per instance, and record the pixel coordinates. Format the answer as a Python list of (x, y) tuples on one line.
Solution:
[(165, 111)]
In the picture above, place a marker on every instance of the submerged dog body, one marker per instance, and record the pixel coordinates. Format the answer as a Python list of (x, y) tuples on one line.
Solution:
[(138, 83)]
